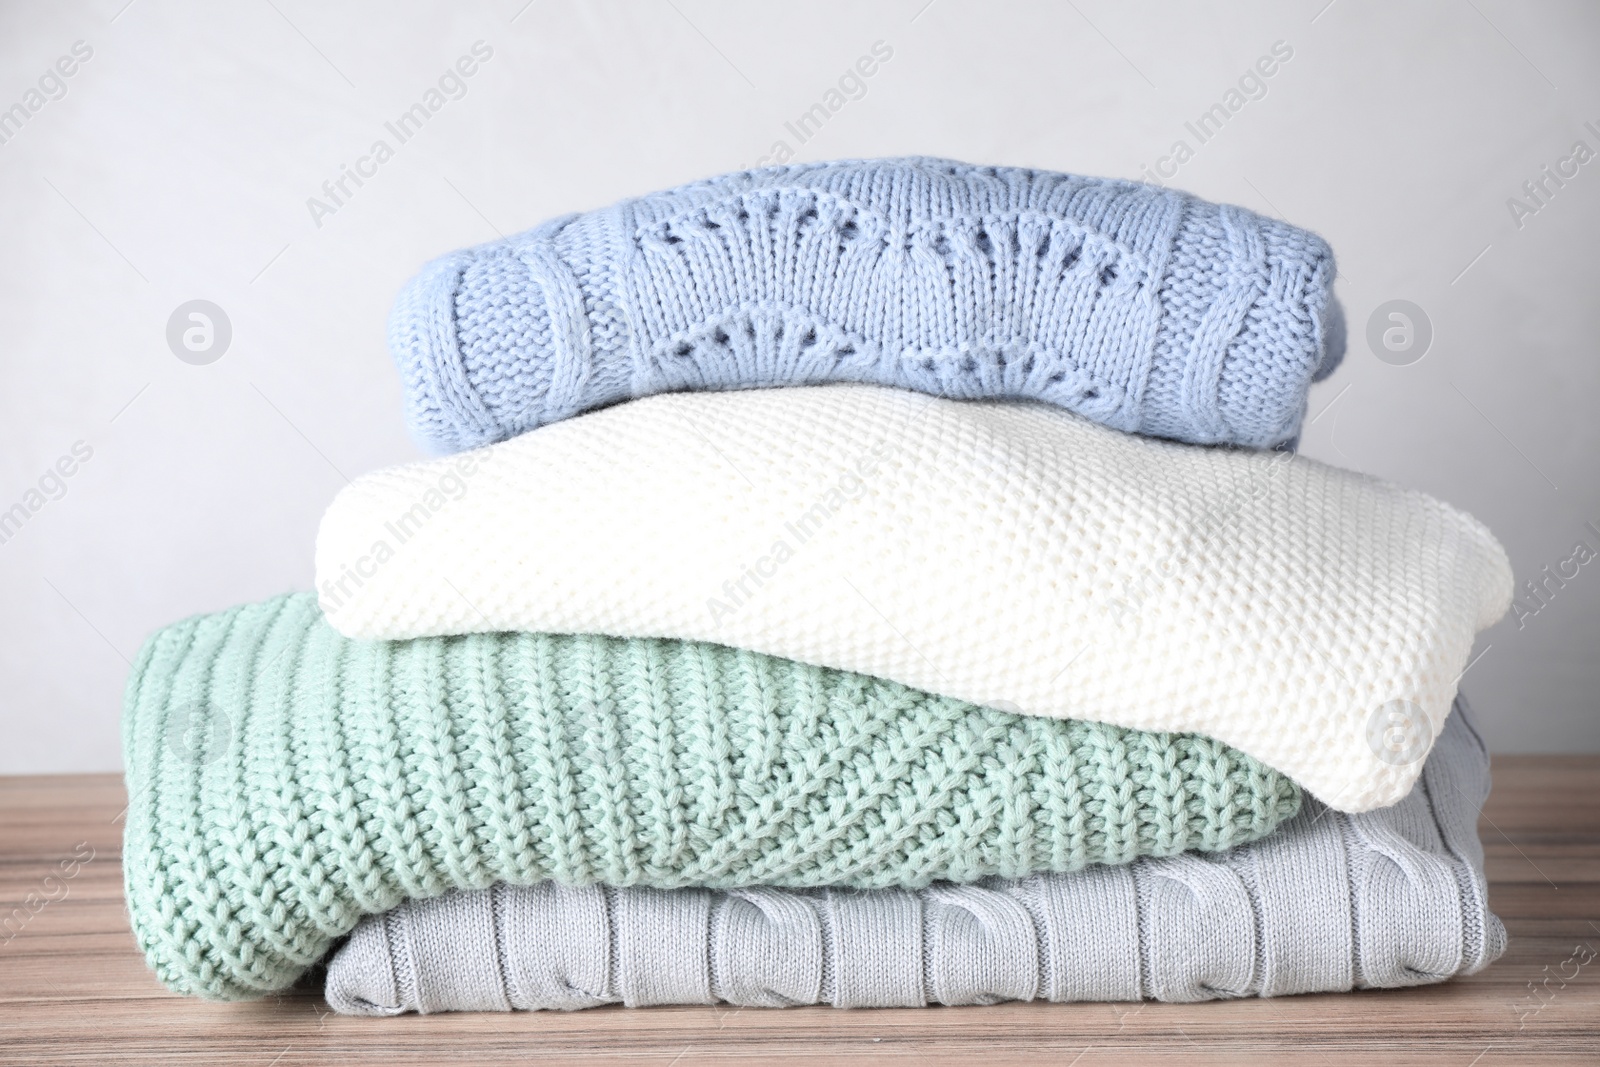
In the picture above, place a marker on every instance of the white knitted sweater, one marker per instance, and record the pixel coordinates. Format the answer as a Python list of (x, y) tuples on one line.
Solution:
[(1004, 553)]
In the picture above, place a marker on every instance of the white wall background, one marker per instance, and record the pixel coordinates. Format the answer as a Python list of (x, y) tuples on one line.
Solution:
[(179, 161)]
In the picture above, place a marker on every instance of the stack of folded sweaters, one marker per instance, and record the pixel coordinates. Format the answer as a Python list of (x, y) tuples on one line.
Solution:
[(864, 583)]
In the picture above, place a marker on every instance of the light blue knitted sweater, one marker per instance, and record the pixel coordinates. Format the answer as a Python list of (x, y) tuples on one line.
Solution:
[(1143, 308)]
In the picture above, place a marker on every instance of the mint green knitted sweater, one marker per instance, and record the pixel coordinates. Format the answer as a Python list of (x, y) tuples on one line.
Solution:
[(284, 781)]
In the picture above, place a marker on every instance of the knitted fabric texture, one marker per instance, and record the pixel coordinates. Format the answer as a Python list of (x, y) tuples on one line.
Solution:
[(1140, 307), (1008, 554), (286, 781), (1328, 903)]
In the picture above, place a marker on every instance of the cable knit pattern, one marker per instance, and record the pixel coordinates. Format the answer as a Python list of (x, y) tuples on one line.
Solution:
[(1328, 903), (285, 781), (1008, 554), (1139, 307)]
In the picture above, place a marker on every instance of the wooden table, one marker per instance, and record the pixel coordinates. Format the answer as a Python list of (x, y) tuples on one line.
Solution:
[(74, 989)]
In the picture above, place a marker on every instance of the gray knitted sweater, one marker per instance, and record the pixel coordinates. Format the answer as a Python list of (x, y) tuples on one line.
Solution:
[(1330, 902)]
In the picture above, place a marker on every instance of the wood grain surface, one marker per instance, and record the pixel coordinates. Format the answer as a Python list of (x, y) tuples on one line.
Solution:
[(74, 988)]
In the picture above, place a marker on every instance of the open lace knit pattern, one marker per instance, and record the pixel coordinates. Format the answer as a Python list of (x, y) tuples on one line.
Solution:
[(1140, 307), (285, 781)]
